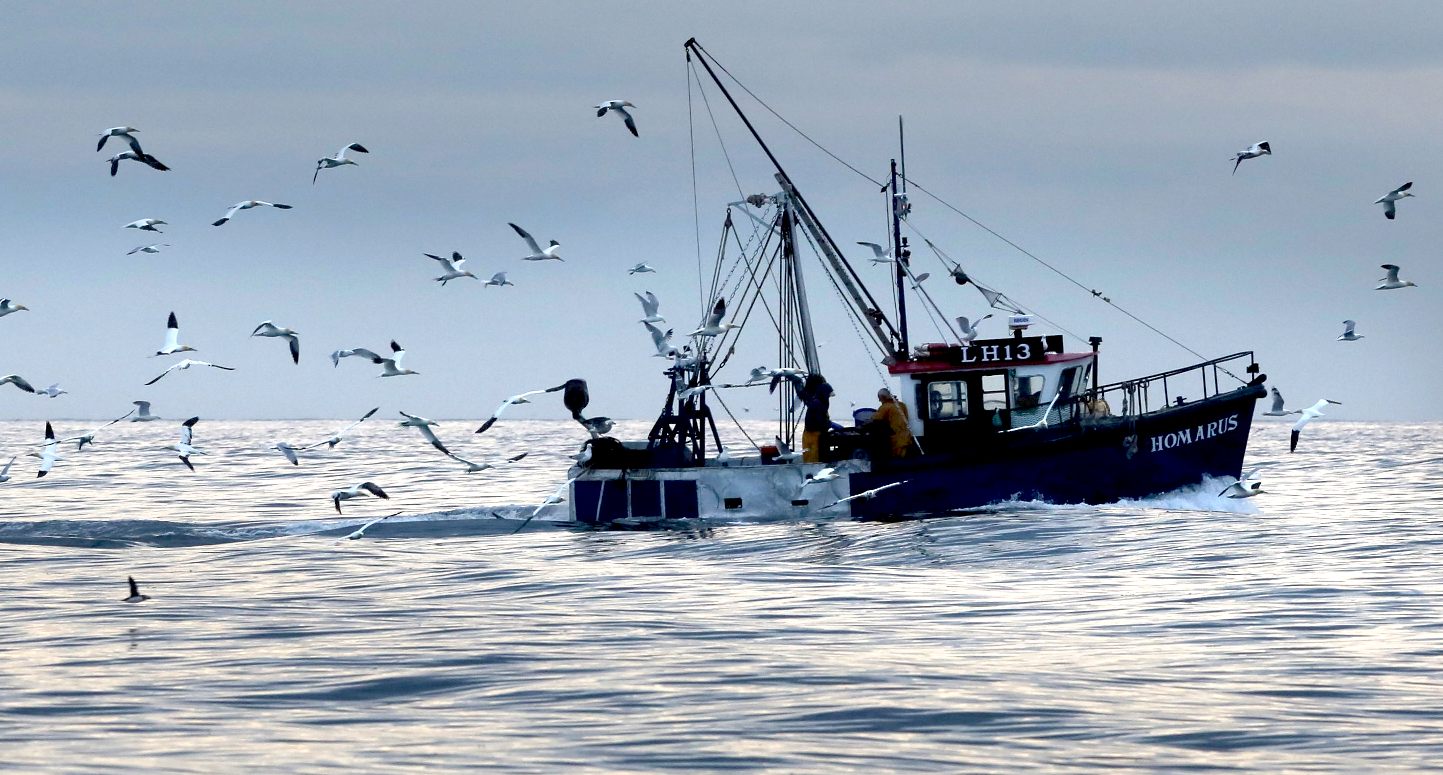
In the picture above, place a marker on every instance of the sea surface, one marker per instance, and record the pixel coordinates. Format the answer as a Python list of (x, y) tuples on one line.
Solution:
[(1299, 631)]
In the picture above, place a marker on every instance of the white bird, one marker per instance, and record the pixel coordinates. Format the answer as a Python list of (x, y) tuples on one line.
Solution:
[(126, 133), (968, 329), (918, 279), (143, 412), (499, 280), (650, 308), (339, 435), (551, 500), (135, 596), (597, 426), (357, 491), (1254, 151), (49, 452), (18, 381), (146, 224), (825, 475), (89, 436), (172, 339), (866, 495), (361, 531), (152, 248), (266, 328), (662, 342), (139, 156), (1391, 281), (1316, 410), (5, 472), (472, 467), (691, 392), (1390, 199), (880, 255), (183, 448), (785, 453), (390, 367), (1277, 408), (288, 450), (246, 205), (1348, 332), (424, 426), (337, 160), (620, 108), (641, 268), (537, 254), (450, 267), (53, 391), (7, 306), (1246, 486), (519, 398), (186, 364), (713, 325)]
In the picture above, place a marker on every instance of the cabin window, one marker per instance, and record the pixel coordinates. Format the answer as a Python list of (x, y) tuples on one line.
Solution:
[(1069, 384), (994, 392), (947, 400), (1027, 390)]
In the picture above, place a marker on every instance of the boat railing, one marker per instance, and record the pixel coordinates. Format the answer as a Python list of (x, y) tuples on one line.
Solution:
[(1166, 389)]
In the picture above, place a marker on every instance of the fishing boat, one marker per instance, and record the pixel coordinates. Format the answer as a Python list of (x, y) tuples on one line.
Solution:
[(1023, 417)]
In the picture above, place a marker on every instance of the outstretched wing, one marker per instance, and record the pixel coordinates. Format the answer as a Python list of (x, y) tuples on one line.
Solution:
[(530, 240)]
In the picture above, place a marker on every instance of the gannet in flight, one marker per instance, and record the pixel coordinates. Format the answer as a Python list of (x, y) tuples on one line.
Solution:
[(650, 308), (152, 248), (713, 325), (135, 596), (880, 255), (620, 108), (183, 448), (338, 160), (865, 495), (552, 251), (49, 452), (18, 381), (289, 451), (1316, 410), (641, 268), (472, 467), (1348, 332), (499, 280), (1246, 486), (1390, 199), (186, 364), (1277, 408), (967, 329), (172, 339), (662, 342), (1254, 151), (450, 267), (5, 472), (126, 133), (357, 491), (143, 412), (53, 391), (341, 434), (146, 224), (246, 205), (390, 367), (8, 306), (361, 531), (144, 158), (825, 475), (519, 398), (424, 426), (1391, 281), (266, 328)]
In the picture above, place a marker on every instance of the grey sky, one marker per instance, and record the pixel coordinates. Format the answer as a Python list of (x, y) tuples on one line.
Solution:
[(1097, 136)]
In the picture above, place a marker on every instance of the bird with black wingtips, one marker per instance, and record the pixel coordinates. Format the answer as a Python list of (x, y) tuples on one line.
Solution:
[(713, 325), (361, 531), (1390, 282), (1253, 151), (18, 381), (126, 133), (338, 159), (450, 267), (8, 306), (550, 253), (358, 490), (641, 268), (184, 448), (49, 452), (247, 205), (143, 158), (89, 436), (1247, 486), (1389, 201), (476, 466), (135, 596), (424, 426), (340, 435), (292, 337), (619, 107), (187, 364), (1316, 410), (172, 338), (151, 248), (519, 398), (1277, 409), (880, 255)]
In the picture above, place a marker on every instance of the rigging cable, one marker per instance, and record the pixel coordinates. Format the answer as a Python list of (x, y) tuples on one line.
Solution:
[(695, 202)]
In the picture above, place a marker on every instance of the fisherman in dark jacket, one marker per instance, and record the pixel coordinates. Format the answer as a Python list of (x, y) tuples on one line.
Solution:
[(816, 394)]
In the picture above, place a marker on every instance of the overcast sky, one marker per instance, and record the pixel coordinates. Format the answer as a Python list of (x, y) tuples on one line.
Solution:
[(1098, 136)]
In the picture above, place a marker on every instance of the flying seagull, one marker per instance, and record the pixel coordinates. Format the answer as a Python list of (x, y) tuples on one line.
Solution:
[(472, 467), (357, 491), (537, 254), (18, 381), (519, 398), (1316, 410), (390, 367), (968, 328), (713, 325), (662, 342), (246, 205), (880, 255), (49, 452), (152, 248), (54, 391), (361, 531), (641, 268), (172, 339), (825, 475), (338, 160), (183, 447), (1254, 151), (1391, 282), (135, 596), (650, 307), (450, 267), (266, 328), (146, 224), (499, 280), (424, 426), (1348, 332), (8, 306), (865, 495), (341, 434), (143, 412), (5, 472), (785, 453), (135, 156), (1246, 486), (186, 364), (1277, 408), (1390, 199), (126, 133), (620, 108), (287, 450)]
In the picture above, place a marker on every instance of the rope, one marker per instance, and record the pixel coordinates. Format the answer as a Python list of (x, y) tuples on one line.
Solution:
[(695, 202)]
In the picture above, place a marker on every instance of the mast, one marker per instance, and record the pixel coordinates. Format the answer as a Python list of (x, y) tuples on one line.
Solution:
[(804, 312), (900, 255)]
